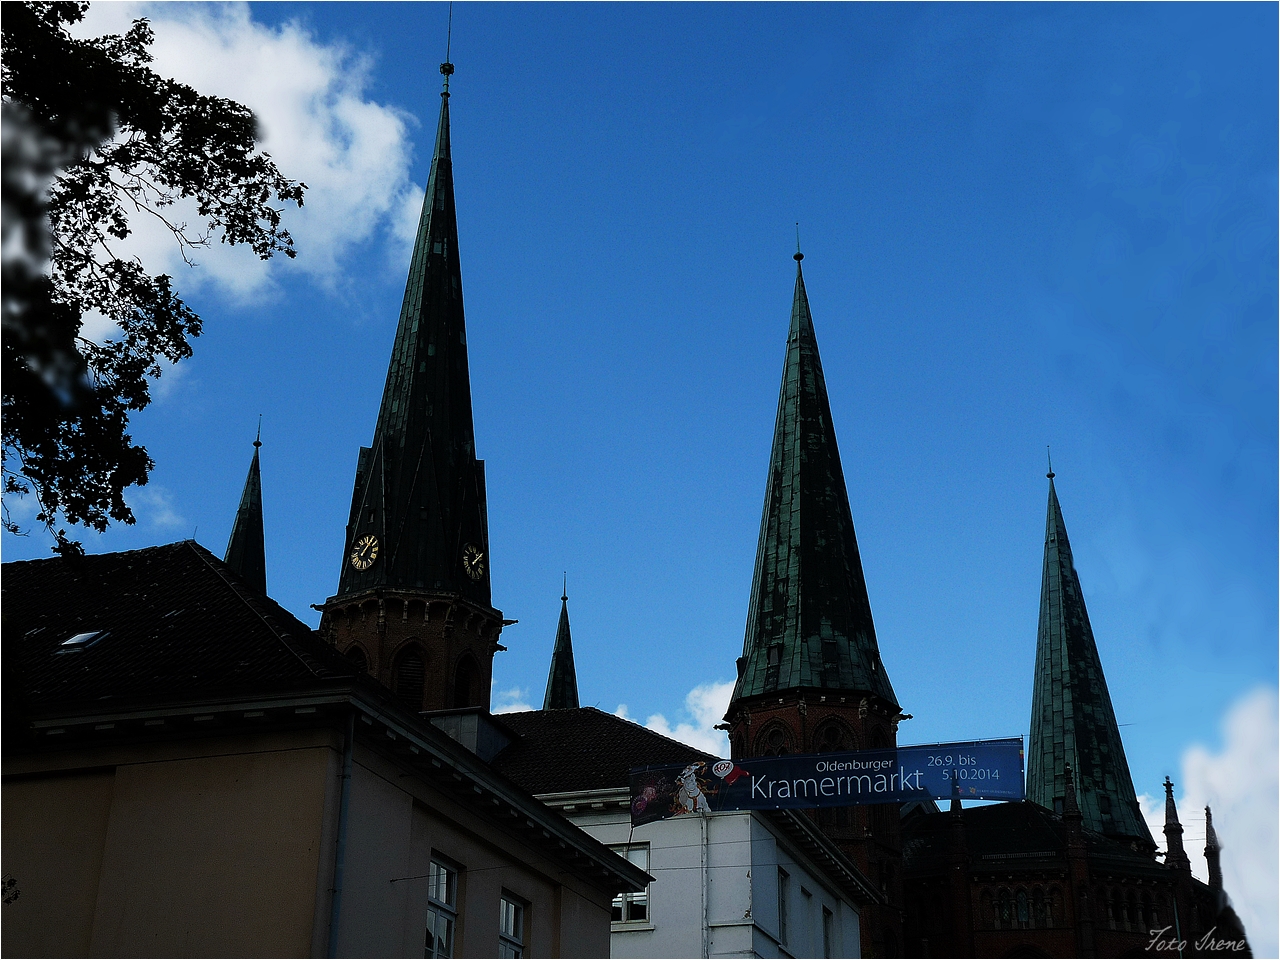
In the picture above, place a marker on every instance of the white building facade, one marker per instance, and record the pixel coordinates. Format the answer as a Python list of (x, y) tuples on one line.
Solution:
[(729, 884)]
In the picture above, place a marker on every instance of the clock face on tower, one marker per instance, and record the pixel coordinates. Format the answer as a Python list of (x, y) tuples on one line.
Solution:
[(473, 561), (365, 552)]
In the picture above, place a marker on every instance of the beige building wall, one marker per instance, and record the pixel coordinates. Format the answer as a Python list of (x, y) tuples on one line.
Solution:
[(146, 855), (226, 847), (399, 823)]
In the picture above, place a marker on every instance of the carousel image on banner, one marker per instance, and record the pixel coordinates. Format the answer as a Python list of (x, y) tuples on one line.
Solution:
[(972, 770)]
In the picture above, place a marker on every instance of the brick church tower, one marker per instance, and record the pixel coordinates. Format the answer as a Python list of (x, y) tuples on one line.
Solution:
[(810, 679), (413, 603)]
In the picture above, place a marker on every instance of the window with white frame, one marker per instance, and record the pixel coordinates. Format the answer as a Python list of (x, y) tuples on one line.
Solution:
[(633, 907), (784, 895), (510, 927), (828, 933), (442, 909)]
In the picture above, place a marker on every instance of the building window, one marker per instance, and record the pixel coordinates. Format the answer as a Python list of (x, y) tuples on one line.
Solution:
[(632, 907), (784, 894), (410, 677), (510, 927), (442, 909), (828, 933)]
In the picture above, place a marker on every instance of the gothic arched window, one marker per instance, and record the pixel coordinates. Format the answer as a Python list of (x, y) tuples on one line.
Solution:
[(409, 678), (774, 741), (1024, 915), (355, 653)]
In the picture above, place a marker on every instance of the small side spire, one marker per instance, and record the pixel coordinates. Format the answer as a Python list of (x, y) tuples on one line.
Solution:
[(246, 550), (562, 681), (1175, 854), (1212, 851)]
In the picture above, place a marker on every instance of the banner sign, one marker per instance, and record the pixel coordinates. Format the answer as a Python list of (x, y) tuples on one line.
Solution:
[(975, 770)]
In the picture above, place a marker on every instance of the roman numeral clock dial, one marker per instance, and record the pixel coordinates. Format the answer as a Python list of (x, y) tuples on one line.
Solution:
[(473, 561), (365, 552)]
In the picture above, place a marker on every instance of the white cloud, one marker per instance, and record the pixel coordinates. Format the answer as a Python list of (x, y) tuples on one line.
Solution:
[(316, 123), (153, 506), (1241, 784), (515, 698), (706, 704)]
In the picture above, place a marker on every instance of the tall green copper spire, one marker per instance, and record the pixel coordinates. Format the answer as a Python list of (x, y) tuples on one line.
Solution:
[(1072, 721), (246, 550), (809, 622), (562, 682), (418, 516)]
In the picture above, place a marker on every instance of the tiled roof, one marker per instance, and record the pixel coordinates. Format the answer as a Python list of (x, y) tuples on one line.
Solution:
[(1009, 834), (583, 749), (179, 625)]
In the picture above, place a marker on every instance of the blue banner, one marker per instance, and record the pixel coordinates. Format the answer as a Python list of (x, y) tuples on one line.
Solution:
[(972, 770)]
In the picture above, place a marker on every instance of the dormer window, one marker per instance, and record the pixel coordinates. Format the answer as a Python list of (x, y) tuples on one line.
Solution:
[(81, 641)]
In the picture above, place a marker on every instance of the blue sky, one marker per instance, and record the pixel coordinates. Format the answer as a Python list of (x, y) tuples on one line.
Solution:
[(1023, 225)]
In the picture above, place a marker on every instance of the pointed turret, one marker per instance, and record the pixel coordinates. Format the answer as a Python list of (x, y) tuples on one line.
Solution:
[(809, 623), (562, 681), (418, 508), (1072, 721), (1212, 851), (247, 550), (1175, 853), (413, 599)]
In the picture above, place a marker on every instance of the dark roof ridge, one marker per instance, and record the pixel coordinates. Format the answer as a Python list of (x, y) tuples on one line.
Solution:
[(648, 730)]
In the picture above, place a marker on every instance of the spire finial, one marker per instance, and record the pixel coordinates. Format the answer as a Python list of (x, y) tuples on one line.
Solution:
[(257, 441), (1049, 453), (446, 68), (564, 589), (798, 255)]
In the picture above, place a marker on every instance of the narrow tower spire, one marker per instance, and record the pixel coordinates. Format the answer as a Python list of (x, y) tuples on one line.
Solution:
[(418, 510), (246, 550), (1072, 720), (562, 681), (1175, 853), (809, 624), (417, 547), (1212, 851)]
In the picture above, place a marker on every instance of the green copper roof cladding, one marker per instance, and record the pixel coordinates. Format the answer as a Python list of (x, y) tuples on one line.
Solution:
[(247, 550), (562, 682), (809, 621), (1072, 721), (419, 490)]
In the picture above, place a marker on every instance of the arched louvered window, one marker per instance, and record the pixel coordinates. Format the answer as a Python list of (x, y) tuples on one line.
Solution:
[(355, 653), (1024, 914), (410, 677), (464, 682)]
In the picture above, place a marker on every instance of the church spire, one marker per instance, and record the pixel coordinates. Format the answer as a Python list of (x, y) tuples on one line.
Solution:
[(562, 682), (418, 509), (246, 550), (1072, 720), (1212, 851), (809, 622)]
